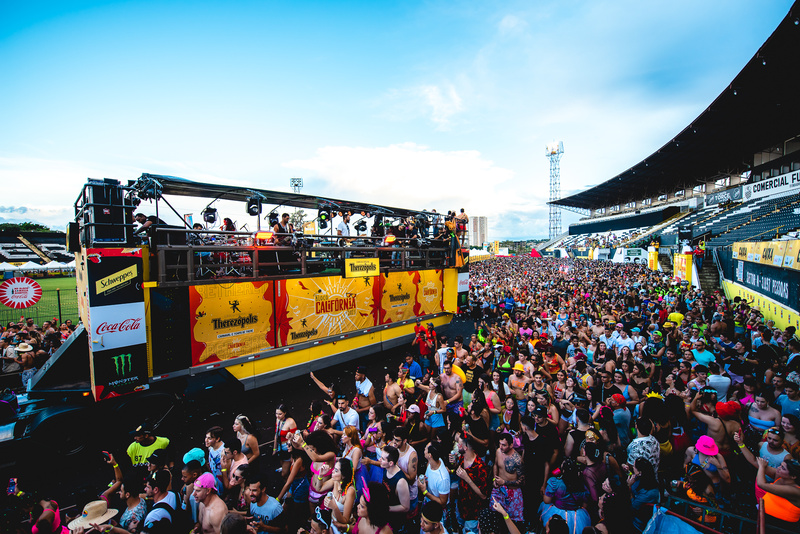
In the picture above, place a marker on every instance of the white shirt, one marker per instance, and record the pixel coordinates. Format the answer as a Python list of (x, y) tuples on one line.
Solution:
[(346, 419), (343, 228), (721, 384), (438, 480), (157, 514)]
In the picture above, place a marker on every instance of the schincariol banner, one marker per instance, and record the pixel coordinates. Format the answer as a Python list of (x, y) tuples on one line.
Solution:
[(230, 320)]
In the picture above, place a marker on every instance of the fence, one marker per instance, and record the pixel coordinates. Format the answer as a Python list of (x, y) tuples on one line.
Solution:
[(59, 303)]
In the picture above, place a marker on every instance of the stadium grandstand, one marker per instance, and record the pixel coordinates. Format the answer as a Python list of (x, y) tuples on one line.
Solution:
[(17, 248), (727, 183)]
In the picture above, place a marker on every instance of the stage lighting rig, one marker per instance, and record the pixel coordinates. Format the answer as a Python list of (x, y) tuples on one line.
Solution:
[(323, 218), (254, 206)]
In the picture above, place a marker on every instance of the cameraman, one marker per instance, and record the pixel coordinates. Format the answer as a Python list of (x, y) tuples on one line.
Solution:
[(424, 344)]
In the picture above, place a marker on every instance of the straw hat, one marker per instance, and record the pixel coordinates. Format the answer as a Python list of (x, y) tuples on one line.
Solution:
[(94, 512)]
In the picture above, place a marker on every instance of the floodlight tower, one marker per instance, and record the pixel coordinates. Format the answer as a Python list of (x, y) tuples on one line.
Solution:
[(296, 184), (553, 151)]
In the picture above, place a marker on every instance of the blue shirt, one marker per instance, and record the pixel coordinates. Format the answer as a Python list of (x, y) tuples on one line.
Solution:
[(266, 512), (414, 370)]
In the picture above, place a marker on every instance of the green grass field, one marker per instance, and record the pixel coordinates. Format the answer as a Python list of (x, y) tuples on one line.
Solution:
[(47, 307)]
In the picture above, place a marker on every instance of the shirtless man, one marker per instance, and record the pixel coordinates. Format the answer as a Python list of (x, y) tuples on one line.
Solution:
[(509, 477), (391, 393), (211, 509), (518, 382), (365, 395), (461, 352), (453, 388)]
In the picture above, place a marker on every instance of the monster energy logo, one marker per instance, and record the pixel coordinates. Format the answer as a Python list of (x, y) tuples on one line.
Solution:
[(119, 364)]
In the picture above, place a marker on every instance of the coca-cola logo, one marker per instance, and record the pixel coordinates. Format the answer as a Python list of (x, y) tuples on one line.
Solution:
[(124, 326)]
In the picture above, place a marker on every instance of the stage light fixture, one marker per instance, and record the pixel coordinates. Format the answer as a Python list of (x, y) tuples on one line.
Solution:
[(361, 226), (273, 218), (254, 206), (323, 218), (209, 215)]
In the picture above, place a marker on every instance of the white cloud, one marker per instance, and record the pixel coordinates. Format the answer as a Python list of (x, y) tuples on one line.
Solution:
[(413, 176), (511, 24), (436, 103)]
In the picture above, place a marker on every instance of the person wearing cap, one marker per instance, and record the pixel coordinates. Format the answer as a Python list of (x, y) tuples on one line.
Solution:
[(365, 395), (519, 384), (637, 337), (211, 509), (144, 444), (705, 454), (622, 418)]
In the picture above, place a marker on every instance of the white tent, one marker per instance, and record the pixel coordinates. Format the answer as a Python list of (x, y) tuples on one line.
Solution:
[(53, 265), (5, 266), (30, 266), (71, 265)]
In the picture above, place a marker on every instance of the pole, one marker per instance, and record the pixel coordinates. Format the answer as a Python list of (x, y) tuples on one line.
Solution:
[(58, 298)]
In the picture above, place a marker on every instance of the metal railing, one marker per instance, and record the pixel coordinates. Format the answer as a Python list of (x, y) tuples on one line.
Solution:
[(764, 232), (727, 522), (196, 255)]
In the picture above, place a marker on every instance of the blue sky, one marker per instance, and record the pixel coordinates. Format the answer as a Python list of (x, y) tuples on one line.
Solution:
[(416, 104)]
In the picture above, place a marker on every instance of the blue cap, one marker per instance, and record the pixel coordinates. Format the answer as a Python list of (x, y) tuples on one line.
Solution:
[(195, 454)]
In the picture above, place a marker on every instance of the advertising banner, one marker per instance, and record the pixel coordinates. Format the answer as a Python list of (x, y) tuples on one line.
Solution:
[(315, 308), (730, 195), (355, 267), (230, 320), (398, 297), (429, 291), (652, 259), (772, 186), (463, 282), (119, 371), (683, 267), (118, 325), (20, 292), (115, 275), (110, 282), (772, 253), (791, 256), (769, 281)]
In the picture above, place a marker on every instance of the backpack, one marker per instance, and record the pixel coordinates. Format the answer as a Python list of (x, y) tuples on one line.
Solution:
[(181, 519)]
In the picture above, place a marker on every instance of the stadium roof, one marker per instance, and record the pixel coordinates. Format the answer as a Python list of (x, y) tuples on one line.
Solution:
[(758, 110)]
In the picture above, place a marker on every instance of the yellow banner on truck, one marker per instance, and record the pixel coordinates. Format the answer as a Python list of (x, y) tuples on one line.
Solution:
[(230, 320), (315, 308), (355, 267)]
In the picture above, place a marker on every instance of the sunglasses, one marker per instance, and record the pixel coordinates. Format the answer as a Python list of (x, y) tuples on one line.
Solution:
[(319, 518)]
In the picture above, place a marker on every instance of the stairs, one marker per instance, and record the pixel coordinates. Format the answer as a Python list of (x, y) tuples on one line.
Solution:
[(709, 274), (36, 250), (666, 264)]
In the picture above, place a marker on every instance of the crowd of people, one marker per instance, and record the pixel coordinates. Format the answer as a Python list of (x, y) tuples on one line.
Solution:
[(25, 346), (587, 393)]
